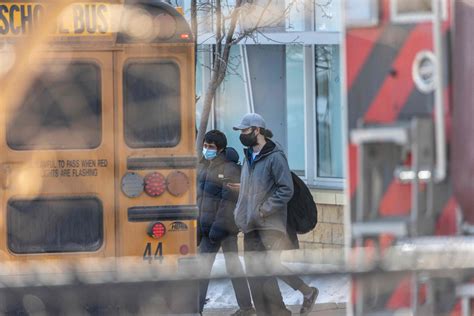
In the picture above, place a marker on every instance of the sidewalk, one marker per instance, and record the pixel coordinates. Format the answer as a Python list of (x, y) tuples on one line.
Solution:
[(333, 293), (322, 309)]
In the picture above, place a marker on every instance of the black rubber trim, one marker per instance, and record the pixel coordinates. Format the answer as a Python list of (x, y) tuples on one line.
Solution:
[(163, 213), (144, 163)]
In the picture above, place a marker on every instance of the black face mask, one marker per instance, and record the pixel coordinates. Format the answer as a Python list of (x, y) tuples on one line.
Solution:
[(248, 140)]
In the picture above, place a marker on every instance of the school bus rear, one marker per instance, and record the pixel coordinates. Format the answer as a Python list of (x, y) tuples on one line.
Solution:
[(97, 154)]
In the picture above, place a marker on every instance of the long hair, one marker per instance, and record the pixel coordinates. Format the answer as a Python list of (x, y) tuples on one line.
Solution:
[(266, 133)]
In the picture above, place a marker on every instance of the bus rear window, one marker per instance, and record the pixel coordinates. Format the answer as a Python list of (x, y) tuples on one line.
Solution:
[(152, 115), (61, 110), (410, 6), (50, 225), (409, 11)]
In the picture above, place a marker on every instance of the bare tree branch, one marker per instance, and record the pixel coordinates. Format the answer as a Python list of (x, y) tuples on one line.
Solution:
[(219, 69)]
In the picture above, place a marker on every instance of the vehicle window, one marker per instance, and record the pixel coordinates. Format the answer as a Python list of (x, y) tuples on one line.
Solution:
[(48, 225), (410, 6), (61, 110), (409, 11), (152, 115)]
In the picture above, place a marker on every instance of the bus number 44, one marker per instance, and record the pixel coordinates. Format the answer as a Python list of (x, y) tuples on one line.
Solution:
[(158, 253)]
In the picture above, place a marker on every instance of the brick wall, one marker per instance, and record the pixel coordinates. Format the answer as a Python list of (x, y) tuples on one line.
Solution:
[(328, 236), (325, 243)]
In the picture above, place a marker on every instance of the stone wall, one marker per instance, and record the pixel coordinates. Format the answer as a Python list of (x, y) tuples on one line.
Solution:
[(325, 243)]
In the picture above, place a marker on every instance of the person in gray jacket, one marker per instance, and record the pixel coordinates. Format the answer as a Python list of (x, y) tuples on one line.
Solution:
[(266, 187)]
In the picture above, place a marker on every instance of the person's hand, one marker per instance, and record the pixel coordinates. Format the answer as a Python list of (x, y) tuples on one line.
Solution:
[(234, 186)]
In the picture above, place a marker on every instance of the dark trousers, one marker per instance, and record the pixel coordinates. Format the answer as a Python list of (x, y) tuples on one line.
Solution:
[(262, 256), (294, 281), (233, 266)]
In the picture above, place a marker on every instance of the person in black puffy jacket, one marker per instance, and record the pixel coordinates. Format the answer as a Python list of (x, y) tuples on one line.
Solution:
[(217, 228)]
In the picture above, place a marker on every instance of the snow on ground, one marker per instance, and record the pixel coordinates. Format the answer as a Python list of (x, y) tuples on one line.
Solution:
[(333, 289)]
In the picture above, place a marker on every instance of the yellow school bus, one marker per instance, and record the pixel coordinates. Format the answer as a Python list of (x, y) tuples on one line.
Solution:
[(97, 155)]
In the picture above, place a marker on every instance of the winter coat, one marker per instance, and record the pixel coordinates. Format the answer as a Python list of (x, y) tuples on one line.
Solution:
[(216, 202), (291, 242), (266, 186)]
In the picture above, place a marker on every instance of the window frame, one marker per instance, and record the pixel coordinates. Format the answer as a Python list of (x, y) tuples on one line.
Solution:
[(311, 127), (419, 17), (139, 60)]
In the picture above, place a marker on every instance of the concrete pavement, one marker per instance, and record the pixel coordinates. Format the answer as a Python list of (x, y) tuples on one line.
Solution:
[(323, 309)]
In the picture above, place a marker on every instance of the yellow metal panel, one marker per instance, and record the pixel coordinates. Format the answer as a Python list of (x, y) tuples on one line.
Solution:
[(65, 173)]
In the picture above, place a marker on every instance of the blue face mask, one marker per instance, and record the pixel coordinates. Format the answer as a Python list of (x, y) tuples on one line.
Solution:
[(209, 154)]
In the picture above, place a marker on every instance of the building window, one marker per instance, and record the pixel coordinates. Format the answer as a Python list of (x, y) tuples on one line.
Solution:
[(293, 82), (328, 16), (200, 89), (295, 108), (328, 112), (295, 19), (232, 99), (298, 93)]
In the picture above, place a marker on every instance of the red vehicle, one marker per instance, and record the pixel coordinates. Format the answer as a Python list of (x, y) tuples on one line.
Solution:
[(410, 148)]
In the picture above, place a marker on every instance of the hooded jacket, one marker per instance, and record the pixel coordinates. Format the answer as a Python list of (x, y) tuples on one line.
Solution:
[(215, 200), (266, 186)]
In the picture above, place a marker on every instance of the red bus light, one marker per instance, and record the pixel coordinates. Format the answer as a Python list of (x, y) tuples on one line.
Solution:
[(155, 184), (156, 230)]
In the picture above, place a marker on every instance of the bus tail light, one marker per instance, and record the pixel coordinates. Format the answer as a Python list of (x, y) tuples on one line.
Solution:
[(132, 184), (156, 230), (177, 183), (184, 250), (155, 184)]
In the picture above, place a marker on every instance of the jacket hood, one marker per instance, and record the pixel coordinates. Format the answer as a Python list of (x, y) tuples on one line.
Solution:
[(231, 154), (268, 148), (272, 147)]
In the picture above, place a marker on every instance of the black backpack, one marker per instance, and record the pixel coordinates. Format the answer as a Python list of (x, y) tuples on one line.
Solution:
[(302, 212)]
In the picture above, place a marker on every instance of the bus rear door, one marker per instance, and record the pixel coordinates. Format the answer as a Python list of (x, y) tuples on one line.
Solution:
[(57, 162), (155, 142)]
